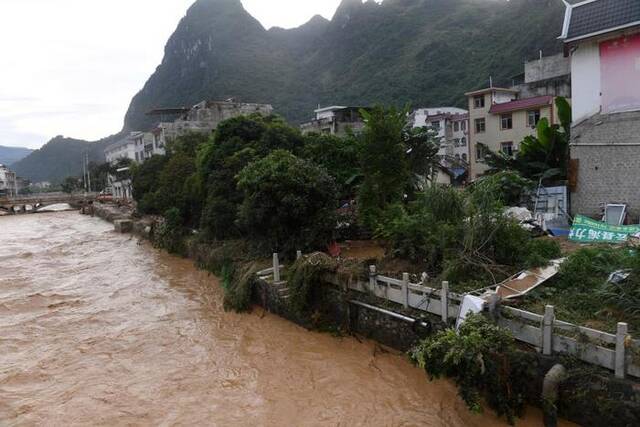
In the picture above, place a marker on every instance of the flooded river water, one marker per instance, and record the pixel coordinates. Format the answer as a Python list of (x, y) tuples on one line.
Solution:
[(99, 329)]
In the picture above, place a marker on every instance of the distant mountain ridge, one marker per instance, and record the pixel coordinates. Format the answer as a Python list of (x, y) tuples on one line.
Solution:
[(420, 52), (10, 155), (59, 158)]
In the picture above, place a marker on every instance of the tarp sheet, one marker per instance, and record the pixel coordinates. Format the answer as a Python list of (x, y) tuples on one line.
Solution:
[(470, 304)]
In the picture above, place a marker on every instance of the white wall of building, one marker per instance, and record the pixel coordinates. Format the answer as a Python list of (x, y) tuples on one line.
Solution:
[(586, 81), (123, 150)]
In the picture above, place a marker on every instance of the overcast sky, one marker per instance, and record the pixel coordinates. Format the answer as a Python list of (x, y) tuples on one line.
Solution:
[(70, 67)]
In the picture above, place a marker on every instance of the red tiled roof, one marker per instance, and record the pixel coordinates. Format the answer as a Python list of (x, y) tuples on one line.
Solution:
[(521, 104)]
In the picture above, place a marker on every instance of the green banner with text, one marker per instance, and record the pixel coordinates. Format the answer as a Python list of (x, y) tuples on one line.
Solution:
[(587, 230)]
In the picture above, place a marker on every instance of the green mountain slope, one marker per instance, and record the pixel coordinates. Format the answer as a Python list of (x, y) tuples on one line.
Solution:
[(9, 155), (59, 158), (423, 52)]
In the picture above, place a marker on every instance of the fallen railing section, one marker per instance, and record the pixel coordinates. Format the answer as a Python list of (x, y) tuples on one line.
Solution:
[(546, 333)]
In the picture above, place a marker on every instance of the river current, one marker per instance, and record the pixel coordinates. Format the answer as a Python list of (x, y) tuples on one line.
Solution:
[(97, 328)]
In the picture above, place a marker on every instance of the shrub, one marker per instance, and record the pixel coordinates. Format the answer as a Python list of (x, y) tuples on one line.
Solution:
[(483, 361), (541, 251), (289, 203)]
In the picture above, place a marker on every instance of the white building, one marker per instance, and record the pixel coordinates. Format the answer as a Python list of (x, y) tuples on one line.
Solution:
[(8, 182), (335, 120), (124, 149), (452, 125), (602, 38), (146, 144)]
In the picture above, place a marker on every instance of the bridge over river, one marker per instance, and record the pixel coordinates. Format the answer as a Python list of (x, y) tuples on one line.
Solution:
[(32, 202)]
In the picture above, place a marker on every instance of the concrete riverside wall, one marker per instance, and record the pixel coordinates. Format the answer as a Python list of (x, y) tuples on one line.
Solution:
[(609, 163), (589, 397)]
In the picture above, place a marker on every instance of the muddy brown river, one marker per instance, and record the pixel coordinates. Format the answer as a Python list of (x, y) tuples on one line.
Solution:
[(100, 329)]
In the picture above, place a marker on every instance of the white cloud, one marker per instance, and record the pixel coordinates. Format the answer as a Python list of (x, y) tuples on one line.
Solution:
[(71, 66)]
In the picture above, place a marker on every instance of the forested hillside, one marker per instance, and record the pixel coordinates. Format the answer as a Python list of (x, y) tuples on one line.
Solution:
[(59, 158), (423, 52), (9, 155)]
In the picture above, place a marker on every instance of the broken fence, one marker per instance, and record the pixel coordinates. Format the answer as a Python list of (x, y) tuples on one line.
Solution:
[(617, 352)]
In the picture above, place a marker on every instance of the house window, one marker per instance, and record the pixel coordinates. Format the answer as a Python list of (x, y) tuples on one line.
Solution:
[(456, 126), (481, 125), (507, 148), (435, 125), (480, 153), (478, 101), (463, 142), (533, 117), (463, 125), (464, 156), (506, 121)]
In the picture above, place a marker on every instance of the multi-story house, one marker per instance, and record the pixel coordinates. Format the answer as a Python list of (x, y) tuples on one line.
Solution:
[(123, 149), (334, 120), (452, 127), (146, 146), (500, 118), (602, 39), (8, 182)]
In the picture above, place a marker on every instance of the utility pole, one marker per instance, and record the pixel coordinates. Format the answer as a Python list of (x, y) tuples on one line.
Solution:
[(88, 172), (84, 174)]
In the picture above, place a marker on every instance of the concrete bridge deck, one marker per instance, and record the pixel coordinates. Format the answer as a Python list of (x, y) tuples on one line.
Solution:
[(19, 203)]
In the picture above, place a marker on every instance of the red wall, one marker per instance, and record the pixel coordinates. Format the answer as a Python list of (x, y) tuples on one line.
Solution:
[(620, 71)]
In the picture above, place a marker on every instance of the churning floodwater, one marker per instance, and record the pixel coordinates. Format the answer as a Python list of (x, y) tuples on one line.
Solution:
[(98, 328)]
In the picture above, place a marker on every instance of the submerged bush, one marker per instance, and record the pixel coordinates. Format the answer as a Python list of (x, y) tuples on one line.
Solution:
[(171, 234), (483, 361), (238, 282), (303, 276)]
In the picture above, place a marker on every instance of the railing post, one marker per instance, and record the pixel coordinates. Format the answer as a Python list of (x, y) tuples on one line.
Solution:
[(547, 330), (405, 289), (372, 278), (444, 300), (276, 268), (621, 356), (298, 254)]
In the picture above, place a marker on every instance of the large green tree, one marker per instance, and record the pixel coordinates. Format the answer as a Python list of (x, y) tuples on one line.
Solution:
[(288, 203), (396, 161), (237, 142)]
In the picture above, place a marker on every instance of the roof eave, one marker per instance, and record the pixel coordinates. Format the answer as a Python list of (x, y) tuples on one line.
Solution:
[(490, 89), (567, 20), (603, 32)]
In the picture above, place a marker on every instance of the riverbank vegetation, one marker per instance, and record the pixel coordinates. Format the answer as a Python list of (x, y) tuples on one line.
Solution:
[(258, 186), (259, 180), (483, 360)]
